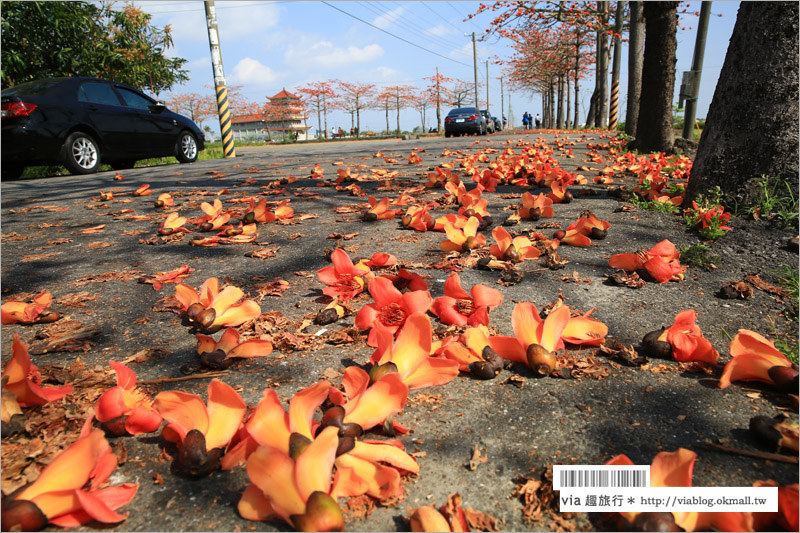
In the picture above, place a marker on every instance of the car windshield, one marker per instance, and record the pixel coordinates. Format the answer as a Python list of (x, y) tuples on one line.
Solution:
[(463, 111), (32, 88)]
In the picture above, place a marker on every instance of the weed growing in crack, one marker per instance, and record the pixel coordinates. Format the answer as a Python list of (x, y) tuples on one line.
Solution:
[(699, 256)]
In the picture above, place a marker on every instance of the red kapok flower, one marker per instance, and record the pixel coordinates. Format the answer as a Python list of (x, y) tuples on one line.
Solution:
[(460, 308), (66, 492), (753, 359), (201, 433), (674, 469), (221, 353), (24, 379), (125, 409), (660, 262), (515, 250), (212, 309), (344, 279), (530, 329), (463, 240), (36, 312), (411, 353), (687, 341), (391, 308)]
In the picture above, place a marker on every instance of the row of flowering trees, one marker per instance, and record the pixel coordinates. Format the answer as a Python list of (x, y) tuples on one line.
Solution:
[(321, 97)]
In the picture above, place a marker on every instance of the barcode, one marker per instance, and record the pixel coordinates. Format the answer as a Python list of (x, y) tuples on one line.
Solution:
[(600, 476)]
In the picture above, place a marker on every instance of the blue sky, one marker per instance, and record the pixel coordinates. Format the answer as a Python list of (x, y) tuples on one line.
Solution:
[(271, 45)]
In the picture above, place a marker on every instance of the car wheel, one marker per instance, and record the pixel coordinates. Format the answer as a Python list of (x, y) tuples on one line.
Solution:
[(11, 172), (122, 165), (186, 148), (81, 154), (447, 134)]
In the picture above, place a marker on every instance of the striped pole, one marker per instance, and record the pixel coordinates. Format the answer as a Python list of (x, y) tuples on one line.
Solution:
[(612, 112), (223, 108), (613, 109)]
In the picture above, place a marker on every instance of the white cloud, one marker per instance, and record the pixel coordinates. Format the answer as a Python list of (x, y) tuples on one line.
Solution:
[(440, 31), (250, 72), (387, 19), (324, 54)]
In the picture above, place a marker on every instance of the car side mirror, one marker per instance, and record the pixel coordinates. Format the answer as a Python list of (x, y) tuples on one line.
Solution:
[(158, 107)]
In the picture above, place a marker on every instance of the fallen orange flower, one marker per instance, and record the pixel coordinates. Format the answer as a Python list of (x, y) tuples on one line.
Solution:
[(214, 217), (755, 358), (559, 193), (173, 224), (344, 280), (534, 207), (787, 516), (212, 310), (674, 469), (125, 409), (531, 334), (660, 262), (24, 379), (294, 486), (588, 224), (381, 260), (258, 213), (201, 433), (461, 308), (687, 341), (584, 331), (283, 210), (143, 190), (410, 354), (413, 158), (405, 281), (164, 200), (390, 309), (573, 237), (368, 402), (514, 250), (220, 354), (450, 517), (66, 492), (459, 240), (173, 276), (379, 210), (36, 312), (418, 218)]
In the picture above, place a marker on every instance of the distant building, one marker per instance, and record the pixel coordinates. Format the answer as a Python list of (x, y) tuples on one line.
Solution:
[(283, 115), (249, 127)]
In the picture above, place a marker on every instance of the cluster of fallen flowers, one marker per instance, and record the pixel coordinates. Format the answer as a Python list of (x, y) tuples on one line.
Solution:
[(301, 461)]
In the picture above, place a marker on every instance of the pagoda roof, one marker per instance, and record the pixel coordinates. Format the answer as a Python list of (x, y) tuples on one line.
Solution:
[(284, 94), (254, 117)]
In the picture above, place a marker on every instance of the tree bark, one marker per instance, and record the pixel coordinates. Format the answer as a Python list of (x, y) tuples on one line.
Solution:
[(655, 133), (752, 123), (635, 58), (601, 109), (560, 112), (590, 115)]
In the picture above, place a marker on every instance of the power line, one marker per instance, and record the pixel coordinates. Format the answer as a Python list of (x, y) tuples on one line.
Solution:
[(377, 8), (393, 35)]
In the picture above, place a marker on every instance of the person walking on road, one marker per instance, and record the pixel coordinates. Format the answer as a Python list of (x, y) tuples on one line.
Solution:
[(525, 119), (538, 121)]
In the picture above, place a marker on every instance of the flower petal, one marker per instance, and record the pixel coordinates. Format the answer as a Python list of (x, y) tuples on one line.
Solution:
[(432, 371), (253, 505), (672, 469), (302, 407), (747, 341), (314, 466), (509, 348), (269, 424), (453, 289), (252, 348), (185, 295), (485, 296), (237, 315), (413, 344), (272, 471), (629, 262), (182, 409), (747, 367), (385, 397), (527, 324), (225, 411)]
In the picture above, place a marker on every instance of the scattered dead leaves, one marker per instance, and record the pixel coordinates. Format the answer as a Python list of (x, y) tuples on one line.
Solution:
[(77, 299), (478, 458), (766, 286), (582, 367), (32, 258), (66, 335), (123, 275), (264, 253)]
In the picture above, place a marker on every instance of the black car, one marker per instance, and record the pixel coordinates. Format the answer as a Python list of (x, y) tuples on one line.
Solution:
[(81, 122), (464, 120)]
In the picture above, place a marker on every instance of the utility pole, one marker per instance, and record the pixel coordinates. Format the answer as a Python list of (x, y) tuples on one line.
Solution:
[(438, 105), (475, 65), (502, 102), (223, 108), (690, 108), (487, 85), (614, 104)]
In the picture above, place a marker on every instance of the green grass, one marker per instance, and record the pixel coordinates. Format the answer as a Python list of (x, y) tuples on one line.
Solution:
[(212, 151), (698, 255), (659, 207), (777, 199)]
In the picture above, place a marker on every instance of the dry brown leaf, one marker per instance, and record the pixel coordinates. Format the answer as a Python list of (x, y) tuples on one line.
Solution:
[(478, 458)]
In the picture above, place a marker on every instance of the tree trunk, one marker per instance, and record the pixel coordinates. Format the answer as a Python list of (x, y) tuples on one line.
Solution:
[(569, 103), (577, 118), (658, 75), (590, 115), (552, 119), (635, 58), (752, 123), (388, 131), (601, 106), (560, 116)]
